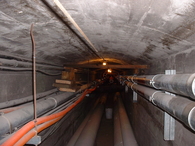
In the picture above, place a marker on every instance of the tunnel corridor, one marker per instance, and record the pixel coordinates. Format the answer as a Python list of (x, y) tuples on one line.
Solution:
[(101, 113), (66, 64)]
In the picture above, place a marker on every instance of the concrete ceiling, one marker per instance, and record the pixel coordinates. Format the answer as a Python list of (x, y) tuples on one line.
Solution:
[(123, 31)]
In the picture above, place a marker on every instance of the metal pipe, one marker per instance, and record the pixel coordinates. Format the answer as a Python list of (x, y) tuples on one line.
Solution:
[(79, 130), (182, 84), (15, 57), (26, 99), (30, 125), (53, 73), (118, 140), (69, 22), (62, 106), (14, 119), (15, 63), (60, 6), (181, 108), (34, 77), (127, 132), (40, 95), (88, 134), (58, 109)]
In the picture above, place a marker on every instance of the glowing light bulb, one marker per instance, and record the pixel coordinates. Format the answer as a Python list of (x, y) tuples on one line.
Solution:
[(104, 63), (109, 71)]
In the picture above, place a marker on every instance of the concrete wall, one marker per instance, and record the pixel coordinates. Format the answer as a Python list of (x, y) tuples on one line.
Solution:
[(182, 62), (15, 85), (148, 120)]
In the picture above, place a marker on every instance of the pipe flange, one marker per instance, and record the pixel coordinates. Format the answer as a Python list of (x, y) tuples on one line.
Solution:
[(123, 82), (193, 87), (132, 79), (128, 78), (189, 117), (152, 82), (151, 99), (132, 86), (9, 123), (56, 103)]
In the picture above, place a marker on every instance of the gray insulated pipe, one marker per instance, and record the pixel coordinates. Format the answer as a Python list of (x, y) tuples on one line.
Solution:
[(17, 118), (182, 84), (118, 139), (26, 99), (79, 130), (179, 107), (15, 63), (88, 135), (126, 130)]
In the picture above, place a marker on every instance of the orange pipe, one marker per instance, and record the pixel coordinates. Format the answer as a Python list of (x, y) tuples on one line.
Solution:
[(33, 132), (20, 133)]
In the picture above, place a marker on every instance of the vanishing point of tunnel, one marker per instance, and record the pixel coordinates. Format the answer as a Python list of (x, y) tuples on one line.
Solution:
[(97, 72)]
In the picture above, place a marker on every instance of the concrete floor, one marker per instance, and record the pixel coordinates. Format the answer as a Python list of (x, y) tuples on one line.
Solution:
[(105, 135)]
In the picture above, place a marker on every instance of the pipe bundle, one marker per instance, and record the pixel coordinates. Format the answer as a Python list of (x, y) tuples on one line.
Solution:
[(23, 135), (181, 84), (179, 107)]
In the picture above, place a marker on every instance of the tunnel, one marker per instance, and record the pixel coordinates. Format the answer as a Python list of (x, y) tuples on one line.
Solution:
[(97, 73)]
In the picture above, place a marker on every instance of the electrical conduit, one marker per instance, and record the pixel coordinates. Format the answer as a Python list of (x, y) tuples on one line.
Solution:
[(26, 128), (19, 117)]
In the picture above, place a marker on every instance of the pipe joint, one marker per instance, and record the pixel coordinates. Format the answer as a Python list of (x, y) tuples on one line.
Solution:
[(123, 82), (151, 99), (132, 86), (8, 121), (191, 121), (132, 79), (152, 82), (56, 103)]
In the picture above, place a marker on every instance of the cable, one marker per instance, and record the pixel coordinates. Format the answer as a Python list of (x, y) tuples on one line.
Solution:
[(32, 132), (29, 69), (34, 77), (26, 128), (6, 56), (16, 63)]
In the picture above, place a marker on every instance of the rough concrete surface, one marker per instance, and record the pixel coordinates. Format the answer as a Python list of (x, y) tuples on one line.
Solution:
[(137, 32)]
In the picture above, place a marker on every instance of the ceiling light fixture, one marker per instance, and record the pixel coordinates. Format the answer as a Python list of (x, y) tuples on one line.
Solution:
[(104, 63), (109, 70)]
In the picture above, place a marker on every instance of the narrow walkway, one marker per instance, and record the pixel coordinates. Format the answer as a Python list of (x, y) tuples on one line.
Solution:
[(105, 135)]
